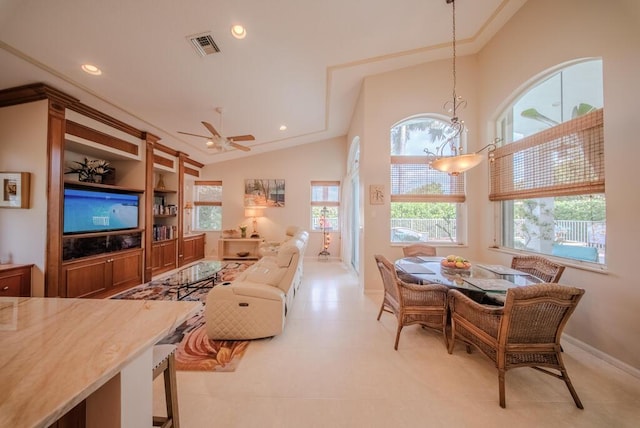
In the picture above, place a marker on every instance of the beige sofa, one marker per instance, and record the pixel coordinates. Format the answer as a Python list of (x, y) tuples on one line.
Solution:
[(255, 304)]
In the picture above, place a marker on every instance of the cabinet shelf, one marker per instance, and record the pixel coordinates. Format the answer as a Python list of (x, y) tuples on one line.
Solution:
[(164, 191), (164, 215), (160, 241)]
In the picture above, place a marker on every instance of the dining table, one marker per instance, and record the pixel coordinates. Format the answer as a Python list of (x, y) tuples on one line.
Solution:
[(485, 283)]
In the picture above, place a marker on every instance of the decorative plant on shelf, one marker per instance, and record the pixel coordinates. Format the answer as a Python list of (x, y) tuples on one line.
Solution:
[(91, 171), (243, 231)]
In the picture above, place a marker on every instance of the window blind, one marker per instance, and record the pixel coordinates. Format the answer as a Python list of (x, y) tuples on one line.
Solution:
[(413, 180), (567, 159), (208, 193)]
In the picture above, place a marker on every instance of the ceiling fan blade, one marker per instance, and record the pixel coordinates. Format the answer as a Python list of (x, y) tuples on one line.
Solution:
[(239, 146), (242, 138), (211, 128), (193, 135)]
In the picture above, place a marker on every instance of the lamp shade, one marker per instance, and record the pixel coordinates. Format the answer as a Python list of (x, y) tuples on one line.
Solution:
[(252, 212), (455, 165)]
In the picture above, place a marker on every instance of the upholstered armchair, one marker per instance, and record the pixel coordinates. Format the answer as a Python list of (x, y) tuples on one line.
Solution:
[(411, 303), (524, 333)]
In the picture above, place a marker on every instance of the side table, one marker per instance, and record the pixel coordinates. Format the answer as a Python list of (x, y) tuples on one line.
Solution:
[(232, 248)]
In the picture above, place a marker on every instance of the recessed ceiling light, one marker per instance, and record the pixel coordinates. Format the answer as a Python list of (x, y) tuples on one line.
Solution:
[(283, 127), (91, 69), (238, 31)]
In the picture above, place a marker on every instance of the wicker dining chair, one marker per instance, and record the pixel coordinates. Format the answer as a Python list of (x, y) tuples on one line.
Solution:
[(540, 267), (524, 333), (419, 250), (412, 303)]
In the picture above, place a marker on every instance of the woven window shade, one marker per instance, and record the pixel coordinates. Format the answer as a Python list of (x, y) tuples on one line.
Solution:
[(565, 160), (413, 180)]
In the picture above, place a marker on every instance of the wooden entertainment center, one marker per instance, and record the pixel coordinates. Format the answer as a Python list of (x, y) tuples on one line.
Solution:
[(98, 263)]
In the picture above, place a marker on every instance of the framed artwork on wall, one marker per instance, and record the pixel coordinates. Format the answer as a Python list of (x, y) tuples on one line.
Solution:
[(260, 192), (376, 194), (14, 189)]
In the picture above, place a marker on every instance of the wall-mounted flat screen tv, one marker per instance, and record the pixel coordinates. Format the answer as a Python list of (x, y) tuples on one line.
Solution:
[(97, 210)]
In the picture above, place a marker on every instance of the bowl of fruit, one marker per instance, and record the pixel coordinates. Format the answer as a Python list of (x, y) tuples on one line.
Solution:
[(454, 265)]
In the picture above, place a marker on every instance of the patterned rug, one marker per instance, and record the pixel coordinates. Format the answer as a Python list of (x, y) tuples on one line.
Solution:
[(195, 351)]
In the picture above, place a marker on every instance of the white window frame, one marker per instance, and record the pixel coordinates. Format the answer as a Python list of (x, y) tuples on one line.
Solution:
[(325, 202), (423, 159), (197, 204), (504, 129)]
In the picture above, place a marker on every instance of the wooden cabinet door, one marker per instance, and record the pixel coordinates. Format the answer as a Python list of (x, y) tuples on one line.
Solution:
[(188, 251), (15, 281), (156, 257), (86, 278), (169, 254), (126, 269), (192, 249), (198, 250)]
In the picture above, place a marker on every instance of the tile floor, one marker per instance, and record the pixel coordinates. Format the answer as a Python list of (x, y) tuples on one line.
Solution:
[(335, 366)]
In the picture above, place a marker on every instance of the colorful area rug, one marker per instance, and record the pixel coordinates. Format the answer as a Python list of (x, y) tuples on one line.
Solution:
[(195, 351)]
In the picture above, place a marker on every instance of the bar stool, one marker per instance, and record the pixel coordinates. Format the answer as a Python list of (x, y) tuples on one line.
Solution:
[(164, 362)]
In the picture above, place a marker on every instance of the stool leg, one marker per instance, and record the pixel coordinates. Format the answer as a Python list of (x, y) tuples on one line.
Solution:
[(168, 369), (171, 391)]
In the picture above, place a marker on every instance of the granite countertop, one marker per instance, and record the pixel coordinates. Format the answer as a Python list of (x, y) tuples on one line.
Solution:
[(54, 352)]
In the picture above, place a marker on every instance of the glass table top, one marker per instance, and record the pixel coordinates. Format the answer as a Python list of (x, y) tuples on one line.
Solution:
[(200, 272)]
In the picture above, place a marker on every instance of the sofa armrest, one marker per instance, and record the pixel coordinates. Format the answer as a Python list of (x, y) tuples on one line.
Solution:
[(238, 289)]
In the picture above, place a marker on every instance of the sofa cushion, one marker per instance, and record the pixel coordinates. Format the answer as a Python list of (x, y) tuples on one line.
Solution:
[(285, 253), (266, 272)]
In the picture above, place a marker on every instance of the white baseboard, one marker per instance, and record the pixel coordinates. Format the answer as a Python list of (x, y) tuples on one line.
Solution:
[(603, 356)]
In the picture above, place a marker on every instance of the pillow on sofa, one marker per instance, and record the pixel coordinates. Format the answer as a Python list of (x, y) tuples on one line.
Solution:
[(266, 273), (285, 254)]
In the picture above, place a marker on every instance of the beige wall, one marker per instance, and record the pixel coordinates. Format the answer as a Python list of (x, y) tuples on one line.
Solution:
[(23, 141), (387, 99), (298, 166), (542, 34)]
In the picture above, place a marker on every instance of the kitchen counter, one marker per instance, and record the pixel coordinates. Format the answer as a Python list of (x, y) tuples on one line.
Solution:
[(55, 353)]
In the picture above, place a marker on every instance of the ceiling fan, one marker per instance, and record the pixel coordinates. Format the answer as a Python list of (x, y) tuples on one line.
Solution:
[(216, 140)]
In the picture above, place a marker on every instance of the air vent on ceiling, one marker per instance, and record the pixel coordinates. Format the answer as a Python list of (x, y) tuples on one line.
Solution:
[(204, 44)]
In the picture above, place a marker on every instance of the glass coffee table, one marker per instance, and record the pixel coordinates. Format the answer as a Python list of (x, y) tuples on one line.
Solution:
[(192, 278)]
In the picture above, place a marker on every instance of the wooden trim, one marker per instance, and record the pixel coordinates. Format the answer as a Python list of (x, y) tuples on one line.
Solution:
[(106, 119), (207, 204), (182, 170), (34, 92), (166, 149), (191, 171), (87, 133), (160, 160), (192, 162), (148, 208), (325, 204), (53, 284), (325, 183), (208, 183)]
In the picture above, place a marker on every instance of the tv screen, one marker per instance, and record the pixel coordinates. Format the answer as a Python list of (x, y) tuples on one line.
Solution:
[(88, 211)]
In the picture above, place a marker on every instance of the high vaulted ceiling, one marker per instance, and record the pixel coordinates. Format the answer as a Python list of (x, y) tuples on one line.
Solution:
[(301, 63)]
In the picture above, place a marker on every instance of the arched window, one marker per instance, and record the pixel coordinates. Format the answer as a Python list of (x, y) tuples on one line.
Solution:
[(549, 172), (426, 204)]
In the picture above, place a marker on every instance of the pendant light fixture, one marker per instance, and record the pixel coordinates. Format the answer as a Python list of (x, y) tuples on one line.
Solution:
[(458, 162)]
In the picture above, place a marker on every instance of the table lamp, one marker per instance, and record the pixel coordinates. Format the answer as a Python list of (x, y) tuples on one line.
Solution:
[(253, 213)]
